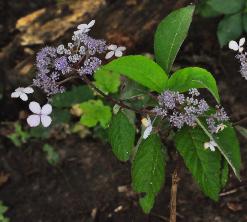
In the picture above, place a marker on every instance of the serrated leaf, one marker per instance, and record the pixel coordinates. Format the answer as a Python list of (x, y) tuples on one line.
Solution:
[(228, 146), (76, 95), (121, 136), (229, 28), (108, 82), (226, 7), (204, 165), (170, 35), (148, 170), (95, 111), (193, 77), (140, 69)]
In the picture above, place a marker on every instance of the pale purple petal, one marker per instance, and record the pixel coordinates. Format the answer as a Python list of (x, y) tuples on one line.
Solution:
[(28, 90), (91, 24), (33, 120), (45, 120), (109, 54), (112, 47), (15, 94), (35, 107), (147, 132), (121, 48), (82, 26), (118, 53), (46, 109), (23, 97)]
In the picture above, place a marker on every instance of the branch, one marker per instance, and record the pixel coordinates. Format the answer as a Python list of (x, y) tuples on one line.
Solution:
[(114, 101)]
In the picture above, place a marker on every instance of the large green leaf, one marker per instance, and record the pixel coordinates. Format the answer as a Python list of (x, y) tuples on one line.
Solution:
[(193, 77), (170, 35), (121, 136), (148, 170), (229, 28), (140, 69), (204, 165), (108, 82), (228, 145), (77, 94), (95, 111), (226, 6)]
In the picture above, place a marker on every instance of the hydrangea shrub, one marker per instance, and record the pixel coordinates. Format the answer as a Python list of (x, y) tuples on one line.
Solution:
[(143, 105)]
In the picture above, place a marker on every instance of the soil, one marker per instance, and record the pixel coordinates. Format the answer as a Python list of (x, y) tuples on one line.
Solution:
[(89, 184)]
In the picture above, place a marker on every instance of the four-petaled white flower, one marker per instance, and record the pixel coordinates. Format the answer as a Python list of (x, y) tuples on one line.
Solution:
[(237, 46), (211, 145), (40, 114), (220, 127), (115, 50), (84, 28), (147, 123), (22, 93)]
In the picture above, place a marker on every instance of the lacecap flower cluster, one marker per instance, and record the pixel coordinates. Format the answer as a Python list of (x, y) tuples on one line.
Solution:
[(81, 56)]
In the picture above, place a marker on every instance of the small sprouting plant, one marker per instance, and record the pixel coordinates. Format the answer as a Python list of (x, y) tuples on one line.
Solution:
[(51, 154), (19, 136), (234, 17), (3, 210), (143, 106)]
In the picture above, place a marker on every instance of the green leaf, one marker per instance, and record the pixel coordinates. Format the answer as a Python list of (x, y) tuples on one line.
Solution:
[(52, 155), (228, 146), (229, 28), (203, 164), (242, 131), (226, 7), (108, 82), (245, 21), (206, 10), (148, 170), (121, 136), (224, 173), (170, 35), (147, 202), (95, 111), (193, 77), (77, 94), (140, 69)]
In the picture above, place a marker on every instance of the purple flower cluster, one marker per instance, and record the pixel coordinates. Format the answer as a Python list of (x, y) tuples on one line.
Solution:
[(183, 110), (80, 56), (214, 121), (242, 57)]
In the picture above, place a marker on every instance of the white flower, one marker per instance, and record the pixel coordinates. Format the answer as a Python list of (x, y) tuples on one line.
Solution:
[(84, 28), (22, 93), (211, 145), (40, 115), (237, 46), (147, 123), (220, 127), (114, 50)]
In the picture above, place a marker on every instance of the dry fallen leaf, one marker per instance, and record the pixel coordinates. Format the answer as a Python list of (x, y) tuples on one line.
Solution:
[(3, 178)]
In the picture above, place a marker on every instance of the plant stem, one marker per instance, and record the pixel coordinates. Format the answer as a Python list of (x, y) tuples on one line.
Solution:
[(174, 189), (112, 100)]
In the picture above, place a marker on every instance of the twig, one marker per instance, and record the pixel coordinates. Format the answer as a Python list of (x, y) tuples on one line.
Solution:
[(240, 121), (67, 79), (114, 101), (174, 188)]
